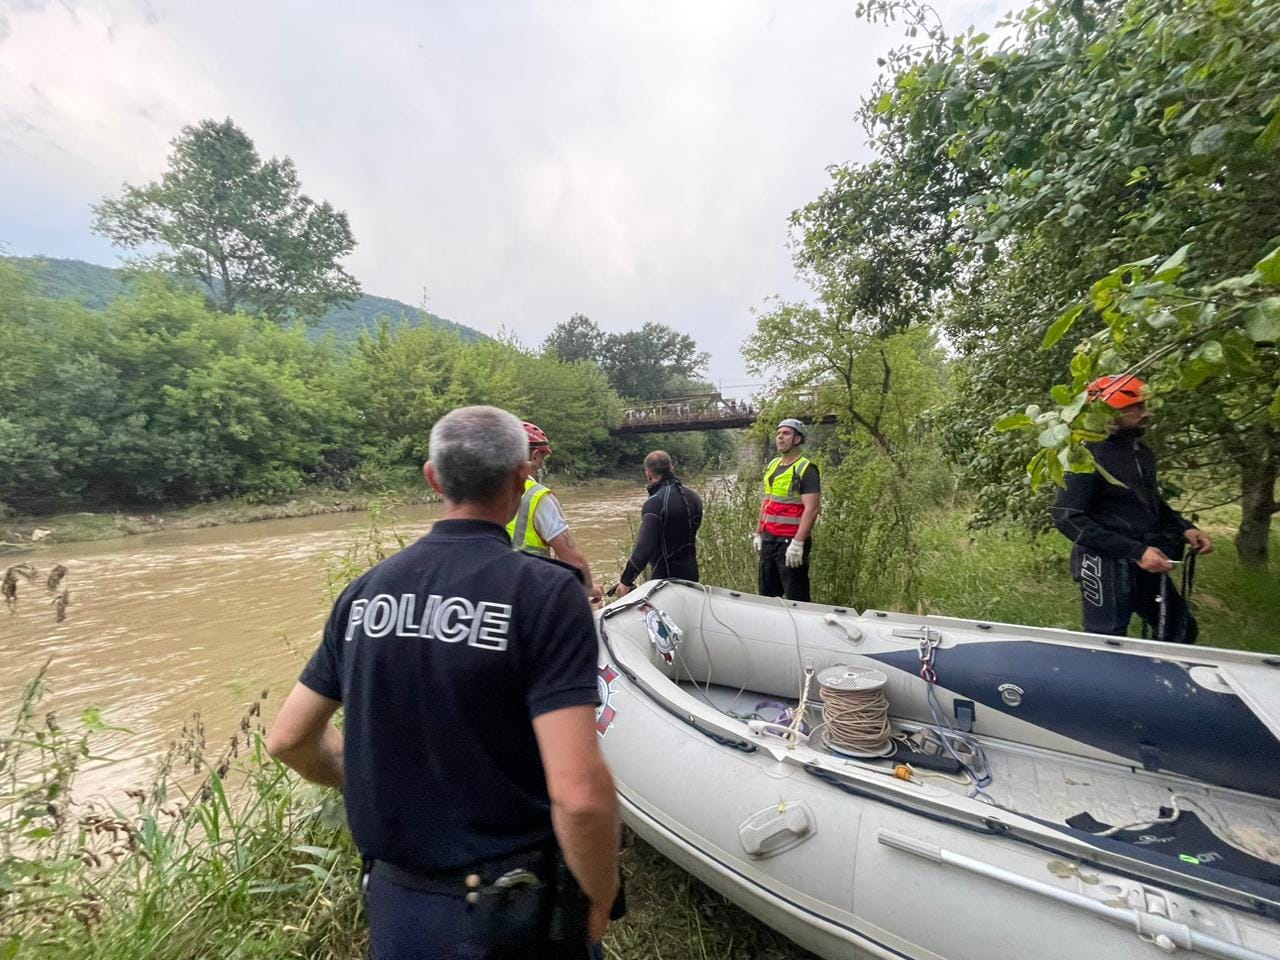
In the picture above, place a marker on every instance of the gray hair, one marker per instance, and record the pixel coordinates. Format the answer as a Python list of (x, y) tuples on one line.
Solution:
[(474, 451)]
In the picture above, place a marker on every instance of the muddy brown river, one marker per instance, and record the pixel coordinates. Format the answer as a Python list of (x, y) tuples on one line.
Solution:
[(165, 625)]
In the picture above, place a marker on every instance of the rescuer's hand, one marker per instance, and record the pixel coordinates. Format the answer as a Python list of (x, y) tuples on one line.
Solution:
[(622, 589), (758, 542), (795, 553), (596, 593), (1154, 561), (1199, 540)]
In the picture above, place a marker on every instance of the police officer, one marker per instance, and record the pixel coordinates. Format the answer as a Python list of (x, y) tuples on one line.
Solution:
[(791, 504), (468, 756), (669, 522), (539, 526), (1126, 537)]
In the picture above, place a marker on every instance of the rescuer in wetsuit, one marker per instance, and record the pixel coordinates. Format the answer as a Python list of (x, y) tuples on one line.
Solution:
[(669, 522), (1126, 536)]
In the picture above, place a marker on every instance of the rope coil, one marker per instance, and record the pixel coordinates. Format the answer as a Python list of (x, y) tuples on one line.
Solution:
[(855, 710)]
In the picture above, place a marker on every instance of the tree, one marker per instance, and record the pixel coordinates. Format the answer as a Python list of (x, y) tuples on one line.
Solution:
[(646, 364), (577, 338), (1106, 133), (238, 225)]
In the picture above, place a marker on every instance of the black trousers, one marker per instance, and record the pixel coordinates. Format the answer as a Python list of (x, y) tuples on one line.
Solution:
[(408, 924), (1112, 591), (779, 580)]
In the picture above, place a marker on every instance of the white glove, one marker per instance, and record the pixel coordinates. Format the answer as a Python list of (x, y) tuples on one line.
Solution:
[(795, 554), (757, 541)]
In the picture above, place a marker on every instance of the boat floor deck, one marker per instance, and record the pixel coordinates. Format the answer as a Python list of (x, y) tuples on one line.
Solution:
[(1055, 786)]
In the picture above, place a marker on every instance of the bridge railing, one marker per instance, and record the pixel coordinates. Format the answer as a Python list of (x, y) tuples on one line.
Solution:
[(701, 408)]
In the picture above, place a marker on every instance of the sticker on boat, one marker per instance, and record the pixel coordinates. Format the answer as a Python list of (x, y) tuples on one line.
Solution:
[(605, 675), (663, 633)]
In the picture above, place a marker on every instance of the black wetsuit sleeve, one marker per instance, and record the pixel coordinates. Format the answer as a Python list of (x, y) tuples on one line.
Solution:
[(1171, 519), (1074, 521), (648, 542)]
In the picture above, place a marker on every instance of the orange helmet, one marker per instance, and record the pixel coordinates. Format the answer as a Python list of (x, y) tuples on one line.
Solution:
[(536, 437), (1118, 392)]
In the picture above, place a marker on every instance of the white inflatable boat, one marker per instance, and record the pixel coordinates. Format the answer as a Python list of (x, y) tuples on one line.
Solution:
[(1053, 795)]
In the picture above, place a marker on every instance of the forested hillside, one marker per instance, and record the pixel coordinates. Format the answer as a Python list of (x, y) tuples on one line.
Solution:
[(95, 286)]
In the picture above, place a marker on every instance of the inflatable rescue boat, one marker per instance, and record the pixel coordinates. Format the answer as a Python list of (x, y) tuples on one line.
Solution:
[(893, 786)]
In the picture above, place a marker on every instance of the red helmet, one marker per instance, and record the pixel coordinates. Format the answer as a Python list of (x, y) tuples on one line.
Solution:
[(1118, 392), (536, 437)]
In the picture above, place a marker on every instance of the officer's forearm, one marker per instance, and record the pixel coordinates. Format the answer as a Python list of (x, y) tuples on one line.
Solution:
[(318, 760), (588, 832)]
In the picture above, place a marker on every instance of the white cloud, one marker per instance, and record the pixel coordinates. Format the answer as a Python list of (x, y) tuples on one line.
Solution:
[(521, 160)]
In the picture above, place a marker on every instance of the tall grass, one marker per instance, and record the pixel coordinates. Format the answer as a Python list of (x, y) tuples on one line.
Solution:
[(223, 854)]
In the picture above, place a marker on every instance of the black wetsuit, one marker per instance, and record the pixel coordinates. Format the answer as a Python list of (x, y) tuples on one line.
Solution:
[(667, 542), (1111, 526)]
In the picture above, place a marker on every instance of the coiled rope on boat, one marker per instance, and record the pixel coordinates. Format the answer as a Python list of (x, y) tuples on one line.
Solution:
[(855, 710)]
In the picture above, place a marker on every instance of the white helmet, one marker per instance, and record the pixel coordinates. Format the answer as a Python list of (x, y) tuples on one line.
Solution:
[(794, 424)]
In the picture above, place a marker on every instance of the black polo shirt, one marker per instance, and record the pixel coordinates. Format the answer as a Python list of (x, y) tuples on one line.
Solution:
[(442, 655)]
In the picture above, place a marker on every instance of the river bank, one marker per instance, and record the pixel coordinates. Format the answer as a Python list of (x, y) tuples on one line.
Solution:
[(24, 532), (404, 488)]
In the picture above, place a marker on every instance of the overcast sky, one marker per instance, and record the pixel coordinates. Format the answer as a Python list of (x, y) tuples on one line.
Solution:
[(520, 161)]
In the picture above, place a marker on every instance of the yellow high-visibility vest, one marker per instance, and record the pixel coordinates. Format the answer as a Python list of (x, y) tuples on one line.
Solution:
[(524, 535), (782, 507)]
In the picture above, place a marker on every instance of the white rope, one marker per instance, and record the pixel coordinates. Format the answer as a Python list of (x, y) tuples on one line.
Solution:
[(857, 720)]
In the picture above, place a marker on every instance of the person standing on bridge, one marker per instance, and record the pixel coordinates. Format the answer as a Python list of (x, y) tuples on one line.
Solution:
[(669, 522), (539, 526), (791, 504)]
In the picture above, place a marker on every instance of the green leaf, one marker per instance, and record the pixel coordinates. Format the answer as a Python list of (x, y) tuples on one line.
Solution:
[(1269, 138), (1082, 366), (1269, 268), (1058, 329), (9, 949), (1072, 409), (1016, 421), (320, 853), (1061, 394), (1209, 352), (1274, 409), (1036, 468), (1172, 268), (1079, 459), (1161, 320), (1263, 323), (1209, 142), (1054, 435), (1196, 372), (884, 104)]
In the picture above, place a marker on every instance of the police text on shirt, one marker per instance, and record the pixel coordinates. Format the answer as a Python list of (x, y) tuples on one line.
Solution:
[(448, 619)]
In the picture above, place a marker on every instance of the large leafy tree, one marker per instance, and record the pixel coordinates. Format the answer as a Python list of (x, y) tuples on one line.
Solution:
[(1102, 134), (237, 224)]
